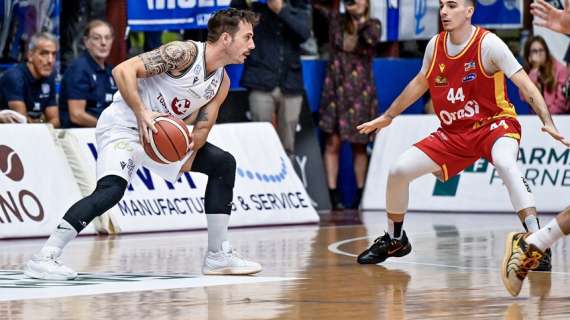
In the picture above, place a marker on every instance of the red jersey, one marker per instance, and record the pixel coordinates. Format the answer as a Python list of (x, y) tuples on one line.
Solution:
[(463, 95)]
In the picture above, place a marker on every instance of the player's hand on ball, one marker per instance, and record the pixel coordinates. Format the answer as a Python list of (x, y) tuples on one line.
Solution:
[(146, 121), (376, 124), (556, 135)]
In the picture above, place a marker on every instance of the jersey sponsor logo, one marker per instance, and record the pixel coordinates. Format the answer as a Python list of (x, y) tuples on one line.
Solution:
[(180, 106), (210, 92), (45, 88), (470, 77), (469, 66), (441, 67), (441, 81), (469, 110)]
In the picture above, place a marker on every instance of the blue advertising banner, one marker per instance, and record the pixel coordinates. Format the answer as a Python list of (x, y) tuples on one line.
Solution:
[(499, 14), (406, 20), (158, 15)]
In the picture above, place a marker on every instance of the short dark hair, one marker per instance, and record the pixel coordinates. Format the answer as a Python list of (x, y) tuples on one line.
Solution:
[(227, 20), (96, 23), (473, 3)]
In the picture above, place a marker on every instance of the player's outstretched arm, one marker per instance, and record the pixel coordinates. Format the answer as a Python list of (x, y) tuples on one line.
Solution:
[(207, 116), (536, 101), (549, 17), (413, 91)]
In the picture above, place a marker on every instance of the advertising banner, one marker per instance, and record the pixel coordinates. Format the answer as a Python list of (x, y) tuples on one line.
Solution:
[(499, 14), (36, 184), (171, 14), (267, 190), (406, 20), (544, 163)]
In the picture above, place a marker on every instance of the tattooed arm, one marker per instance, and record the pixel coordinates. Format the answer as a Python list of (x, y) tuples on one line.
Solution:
[(172, 57), (536, 101), (207, 116)]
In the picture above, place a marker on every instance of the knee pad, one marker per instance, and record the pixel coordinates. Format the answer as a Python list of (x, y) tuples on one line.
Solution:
[(109, 191), (227, 169), (219, 190)]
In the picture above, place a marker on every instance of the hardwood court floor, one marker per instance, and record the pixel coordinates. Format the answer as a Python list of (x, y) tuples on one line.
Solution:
[(452, 273)]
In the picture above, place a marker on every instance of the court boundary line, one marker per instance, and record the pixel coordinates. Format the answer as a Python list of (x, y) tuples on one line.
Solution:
[(334, 248)]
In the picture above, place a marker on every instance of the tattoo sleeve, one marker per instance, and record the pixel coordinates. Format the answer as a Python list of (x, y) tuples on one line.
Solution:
[(202, 115), (175, 55)]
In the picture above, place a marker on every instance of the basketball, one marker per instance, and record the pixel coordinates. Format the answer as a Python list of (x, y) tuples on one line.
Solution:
[(171, 141)]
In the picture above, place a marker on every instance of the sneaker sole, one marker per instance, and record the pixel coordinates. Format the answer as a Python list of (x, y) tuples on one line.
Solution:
[(231, 271), (506, 256), (45, 276)]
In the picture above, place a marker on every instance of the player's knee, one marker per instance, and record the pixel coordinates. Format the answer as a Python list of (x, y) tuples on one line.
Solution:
[(227, 169), (504, 164), (109, 191), (399, 172)]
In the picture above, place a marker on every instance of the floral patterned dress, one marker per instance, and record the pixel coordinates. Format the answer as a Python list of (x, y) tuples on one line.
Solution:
[(349, 94)]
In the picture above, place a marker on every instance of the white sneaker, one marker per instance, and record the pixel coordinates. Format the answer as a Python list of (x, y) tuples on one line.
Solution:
[(48, 267), (228, 262)]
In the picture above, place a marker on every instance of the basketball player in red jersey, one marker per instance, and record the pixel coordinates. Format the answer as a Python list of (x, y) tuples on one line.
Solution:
[(464, 69), (151, 84)]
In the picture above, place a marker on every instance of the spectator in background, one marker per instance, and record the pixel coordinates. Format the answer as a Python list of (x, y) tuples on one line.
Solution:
[(29, 87), (273, 71), (87, 86), (547, 73), (349, 94)]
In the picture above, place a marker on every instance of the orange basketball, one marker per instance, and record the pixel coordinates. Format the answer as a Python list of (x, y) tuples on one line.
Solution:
[(171, 141)]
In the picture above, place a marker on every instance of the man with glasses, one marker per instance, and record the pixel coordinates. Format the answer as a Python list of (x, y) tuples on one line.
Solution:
[(88, 86)]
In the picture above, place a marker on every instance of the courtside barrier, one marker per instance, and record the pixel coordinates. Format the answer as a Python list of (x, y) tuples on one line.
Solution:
[(545, 165), (36, 183), (267, 190)]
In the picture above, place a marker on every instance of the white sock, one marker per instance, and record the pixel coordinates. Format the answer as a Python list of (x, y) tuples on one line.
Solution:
[(531, 223), (217, 230), (547, 236), (62, 235)]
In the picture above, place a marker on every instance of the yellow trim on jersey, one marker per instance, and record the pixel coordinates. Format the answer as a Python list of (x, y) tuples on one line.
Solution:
[(515, 136), (507, 109), (481, 67), (464, 49), (432, 64), (444, 171)]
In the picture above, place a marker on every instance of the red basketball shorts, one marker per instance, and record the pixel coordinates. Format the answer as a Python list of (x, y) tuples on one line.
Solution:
[(455, 151)]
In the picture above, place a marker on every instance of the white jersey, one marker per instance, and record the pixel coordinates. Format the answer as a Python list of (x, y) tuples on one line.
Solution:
[(495, 54), (180, 95), (118, 141)]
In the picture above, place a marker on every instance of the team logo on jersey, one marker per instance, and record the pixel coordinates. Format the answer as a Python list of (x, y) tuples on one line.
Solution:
[(45, 88), (441, 81), (469, 66), (180, 107), (441, 67), (470, 77)]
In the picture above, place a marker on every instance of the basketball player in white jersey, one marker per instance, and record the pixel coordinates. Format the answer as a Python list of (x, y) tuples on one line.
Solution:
[(186, 80), (464, 68)]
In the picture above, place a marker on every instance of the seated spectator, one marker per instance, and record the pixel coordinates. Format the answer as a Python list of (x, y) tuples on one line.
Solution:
[(29, 87), (547, 73), (87, 86)]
